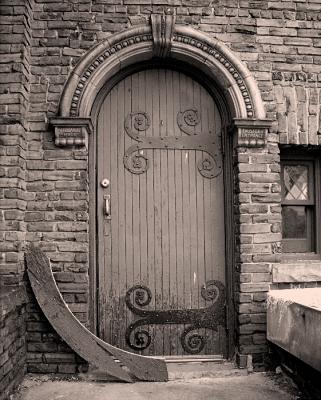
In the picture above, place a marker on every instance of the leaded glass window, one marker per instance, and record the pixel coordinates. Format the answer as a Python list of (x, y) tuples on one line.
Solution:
[(298, 204)]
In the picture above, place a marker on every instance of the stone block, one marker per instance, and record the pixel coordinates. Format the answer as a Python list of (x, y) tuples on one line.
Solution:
[(294, 321)]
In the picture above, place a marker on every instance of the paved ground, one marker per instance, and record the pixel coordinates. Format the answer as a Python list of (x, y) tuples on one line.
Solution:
[(257, 386)]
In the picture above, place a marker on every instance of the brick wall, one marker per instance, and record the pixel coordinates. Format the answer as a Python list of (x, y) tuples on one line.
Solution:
[(15, 30), (258, 239), (44, 189), (12, 343), (46, 351)]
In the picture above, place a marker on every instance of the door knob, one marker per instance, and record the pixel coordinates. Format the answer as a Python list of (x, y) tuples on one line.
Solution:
[(105, 183)]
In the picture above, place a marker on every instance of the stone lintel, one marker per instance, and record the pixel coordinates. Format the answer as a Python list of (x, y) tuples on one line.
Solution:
[(71, 131), (250, 132)]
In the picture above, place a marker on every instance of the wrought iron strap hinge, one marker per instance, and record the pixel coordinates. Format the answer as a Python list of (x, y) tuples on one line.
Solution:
[(192, 339), (137, 123)]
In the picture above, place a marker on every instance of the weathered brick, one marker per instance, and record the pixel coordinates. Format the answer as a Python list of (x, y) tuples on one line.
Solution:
[(254, 287), (255, 228), (252, 328), (266, 237), (266, 198)]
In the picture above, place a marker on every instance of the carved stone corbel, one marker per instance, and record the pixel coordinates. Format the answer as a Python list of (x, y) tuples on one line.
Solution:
[(251, 133), (162, 31), (71, 131)]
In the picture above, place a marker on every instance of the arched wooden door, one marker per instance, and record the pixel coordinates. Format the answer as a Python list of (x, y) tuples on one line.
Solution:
[(160, 221)]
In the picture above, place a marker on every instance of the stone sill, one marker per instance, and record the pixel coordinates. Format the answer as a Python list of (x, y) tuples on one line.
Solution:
[(10, 298), (299, 271)]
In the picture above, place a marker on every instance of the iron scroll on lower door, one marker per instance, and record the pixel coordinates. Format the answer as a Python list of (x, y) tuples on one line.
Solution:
[(211, 317), (136, 162)]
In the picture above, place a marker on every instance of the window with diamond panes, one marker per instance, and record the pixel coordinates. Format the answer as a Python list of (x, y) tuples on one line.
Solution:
[(298, 205)]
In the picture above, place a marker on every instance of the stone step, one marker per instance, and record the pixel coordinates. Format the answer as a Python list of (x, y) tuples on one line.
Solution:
[(182, 368), (203, 369)]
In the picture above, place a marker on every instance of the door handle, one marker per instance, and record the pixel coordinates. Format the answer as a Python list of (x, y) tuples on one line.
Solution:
[(107, 206)]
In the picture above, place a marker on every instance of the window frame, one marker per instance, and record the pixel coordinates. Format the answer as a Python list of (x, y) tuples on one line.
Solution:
[(310, 244)]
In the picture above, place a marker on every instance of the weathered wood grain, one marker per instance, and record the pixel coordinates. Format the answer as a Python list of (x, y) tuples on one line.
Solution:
[(94, 350), (164, 221)]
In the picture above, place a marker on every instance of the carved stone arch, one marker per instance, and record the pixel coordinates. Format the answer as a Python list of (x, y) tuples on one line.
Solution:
[(162, 38)]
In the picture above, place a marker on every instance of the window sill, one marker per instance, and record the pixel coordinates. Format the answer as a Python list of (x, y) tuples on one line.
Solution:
[(303, 269)]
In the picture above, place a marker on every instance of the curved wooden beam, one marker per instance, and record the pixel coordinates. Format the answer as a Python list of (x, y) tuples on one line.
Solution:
[(116, 362)]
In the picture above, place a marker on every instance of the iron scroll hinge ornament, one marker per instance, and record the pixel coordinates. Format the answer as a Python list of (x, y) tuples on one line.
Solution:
[(136, 162), (162, 32), (192, 341)]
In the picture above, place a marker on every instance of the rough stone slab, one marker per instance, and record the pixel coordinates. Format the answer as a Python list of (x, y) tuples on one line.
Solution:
[(294, 323)]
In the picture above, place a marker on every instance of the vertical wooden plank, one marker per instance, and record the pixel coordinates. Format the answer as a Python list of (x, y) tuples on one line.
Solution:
[(114, 272), (129, 256), (218, 235), (106, 313), (159, 348), (199, 186), (135, 194), (150, 81), (185, 103), (208, 123), (173, 304), (121, 212), (207, 126), (187, 278), (192, 177), (142, 188), (164, 209), (143, 194), (180, 273)]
